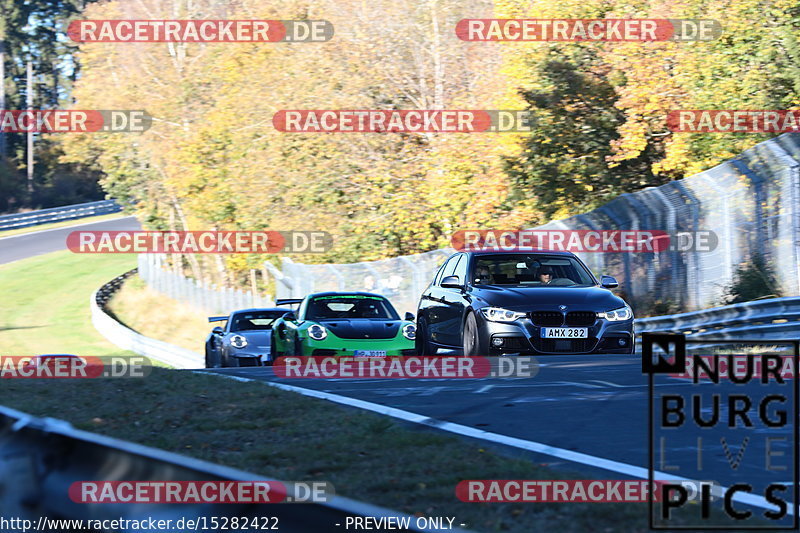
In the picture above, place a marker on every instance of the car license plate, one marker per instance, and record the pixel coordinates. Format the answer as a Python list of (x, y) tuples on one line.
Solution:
[(370, 353), (565, 333)]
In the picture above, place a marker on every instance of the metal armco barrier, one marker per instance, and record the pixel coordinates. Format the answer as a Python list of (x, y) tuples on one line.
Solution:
[(41, 457), (128, 339), (770, 319), (55, 214)]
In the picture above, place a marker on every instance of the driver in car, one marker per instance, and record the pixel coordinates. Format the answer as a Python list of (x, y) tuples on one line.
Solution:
[(482, 274), (546, 275)]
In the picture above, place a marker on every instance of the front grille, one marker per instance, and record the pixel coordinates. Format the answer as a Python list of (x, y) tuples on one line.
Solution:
[(564, 345), (323, 352), (363, 329), (547, 318), (581, 318), (412, 351)]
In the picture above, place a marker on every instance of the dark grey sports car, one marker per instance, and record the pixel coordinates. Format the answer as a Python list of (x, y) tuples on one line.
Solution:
[(491, 303), (244, 341)]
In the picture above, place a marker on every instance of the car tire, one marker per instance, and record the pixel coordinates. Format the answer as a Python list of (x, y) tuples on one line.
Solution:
[(470, 336), (298, 349), (211, 361), (273, 350), (422, 343)]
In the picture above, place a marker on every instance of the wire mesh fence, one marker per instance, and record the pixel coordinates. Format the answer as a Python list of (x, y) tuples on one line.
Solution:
[(400, 279), (751, 203), (212, 299)]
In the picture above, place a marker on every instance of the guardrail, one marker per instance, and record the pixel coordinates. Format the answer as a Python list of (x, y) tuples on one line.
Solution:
[(40, 458), (771, 319), (54, 214), (128, 339)]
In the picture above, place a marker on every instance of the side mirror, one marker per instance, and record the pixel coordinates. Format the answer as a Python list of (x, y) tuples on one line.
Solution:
[(217, 331), (452, 282), (409, 317), (289, 316), (608, 282)]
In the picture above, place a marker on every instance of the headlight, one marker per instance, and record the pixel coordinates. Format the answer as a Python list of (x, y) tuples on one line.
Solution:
[(623, 313), (410, 331), (317, 332), (237, 341), (498, 314)]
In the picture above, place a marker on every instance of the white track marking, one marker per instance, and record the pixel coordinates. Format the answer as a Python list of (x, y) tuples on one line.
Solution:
[(636, 472)]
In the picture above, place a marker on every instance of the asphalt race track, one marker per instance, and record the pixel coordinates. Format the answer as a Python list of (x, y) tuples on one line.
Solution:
[(587, 404), (592, 404), (34, 243)]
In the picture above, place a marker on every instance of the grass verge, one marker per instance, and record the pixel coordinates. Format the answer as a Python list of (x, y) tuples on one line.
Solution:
[(159, 317), (62, 224), (46, 303)]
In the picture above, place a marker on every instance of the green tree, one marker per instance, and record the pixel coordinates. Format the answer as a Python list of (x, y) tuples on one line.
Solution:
[(35, 31), (752, 280), (564, 163)]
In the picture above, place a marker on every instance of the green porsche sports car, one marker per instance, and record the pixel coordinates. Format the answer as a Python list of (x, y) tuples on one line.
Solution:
[(343, 323)]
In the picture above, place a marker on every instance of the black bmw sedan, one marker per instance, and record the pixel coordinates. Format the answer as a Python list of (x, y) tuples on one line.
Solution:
[(542, 302)]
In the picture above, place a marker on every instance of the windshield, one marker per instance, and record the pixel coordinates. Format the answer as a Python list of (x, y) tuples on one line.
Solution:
[(344, 307), (536, 270), (255, 320)]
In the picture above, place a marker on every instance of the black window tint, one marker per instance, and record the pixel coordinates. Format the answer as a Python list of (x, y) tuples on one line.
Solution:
[(350, 306), (461, 268), (527, 269), (439, 272), (254, 320), (450, 267)]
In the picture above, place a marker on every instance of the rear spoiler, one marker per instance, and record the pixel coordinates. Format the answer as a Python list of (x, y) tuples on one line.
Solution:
[(288, 301), (217, 318)]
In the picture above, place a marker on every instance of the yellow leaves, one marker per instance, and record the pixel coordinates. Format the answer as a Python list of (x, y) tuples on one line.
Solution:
[(562, 212), (214, 148), (633, 140)]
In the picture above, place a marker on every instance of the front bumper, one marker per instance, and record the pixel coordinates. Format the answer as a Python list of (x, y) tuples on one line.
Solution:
[(524, 337), (251, 359), (337, 347)]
